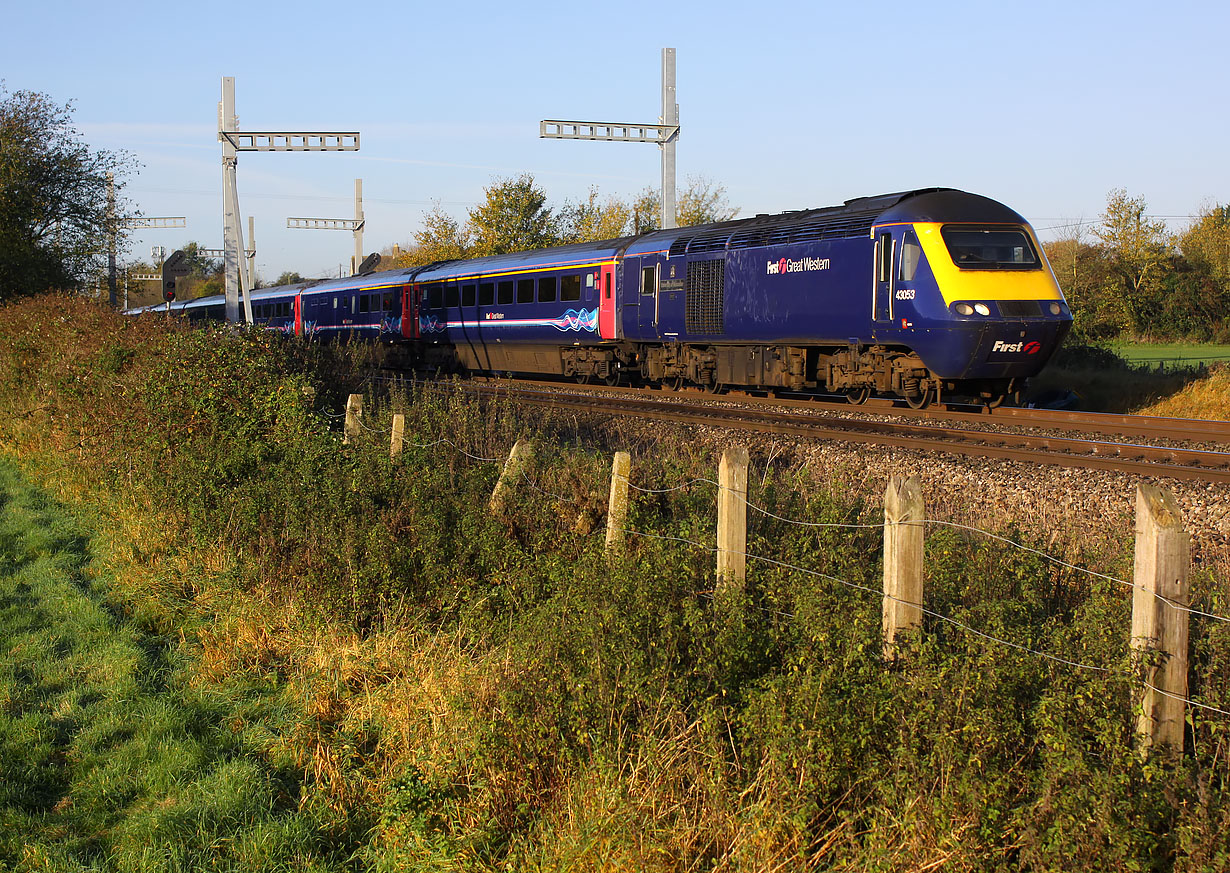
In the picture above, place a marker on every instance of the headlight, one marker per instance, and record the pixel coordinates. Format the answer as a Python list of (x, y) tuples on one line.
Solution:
[(964, 309), (982, 309), (1056, 309)]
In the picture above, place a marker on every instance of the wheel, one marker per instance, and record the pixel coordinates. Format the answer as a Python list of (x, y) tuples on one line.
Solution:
[(714, 388), (996, 401), (921, 400), (583, 378), (858, 396), (612, 379)]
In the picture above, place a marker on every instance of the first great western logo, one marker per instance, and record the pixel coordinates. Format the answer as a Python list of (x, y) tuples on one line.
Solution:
[(803, 265), (1030, 348)]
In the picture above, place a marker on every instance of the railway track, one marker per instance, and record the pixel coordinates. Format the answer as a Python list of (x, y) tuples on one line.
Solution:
[(1035, 436)]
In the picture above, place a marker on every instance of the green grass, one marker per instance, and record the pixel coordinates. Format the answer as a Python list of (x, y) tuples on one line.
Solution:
[(107, 762), (1172, 355)]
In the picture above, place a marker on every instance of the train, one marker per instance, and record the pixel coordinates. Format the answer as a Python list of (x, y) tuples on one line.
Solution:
[(926, 295)]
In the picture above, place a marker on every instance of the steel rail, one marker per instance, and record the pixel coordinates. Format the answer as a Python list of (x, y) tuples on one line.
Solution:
[(1142, 460), (1140, 426)]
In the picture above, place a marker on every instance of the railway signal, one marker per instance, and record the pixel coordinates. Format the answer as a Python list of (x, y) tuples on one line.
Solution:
[(665, 134), (173, 268)]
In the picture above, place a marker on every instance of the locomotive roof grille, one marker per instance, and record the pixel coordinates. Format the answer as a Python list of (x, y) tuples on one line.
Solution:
[(714, 242), (778, 233), (679, 246)]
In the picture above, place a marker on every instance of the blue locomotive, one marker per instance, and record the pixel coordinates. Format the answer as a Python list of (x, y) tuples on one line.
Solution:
[(927, 295), (923, 294)]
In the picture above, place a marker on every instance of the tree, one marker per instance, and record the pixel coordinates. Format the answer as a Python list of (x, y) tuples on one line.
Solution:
[(440, 239), (703, 201), (201, 266), (288, 278), (700, 201), (1140, 250), (515, 217), (1206, 243), (647, 211), (590, 220), (1086, 275), (54, 219)]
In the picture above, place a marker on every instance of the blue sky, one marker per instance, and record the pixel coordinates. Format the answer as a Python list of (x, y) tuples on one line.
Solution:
[(1045, 106)]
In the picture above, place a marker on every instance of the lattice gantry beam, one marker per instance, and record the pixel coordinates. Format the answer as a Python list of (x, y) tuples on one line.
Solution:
[(148, 223), (324, 223), (290, 142), (220, 253), (607, 131)]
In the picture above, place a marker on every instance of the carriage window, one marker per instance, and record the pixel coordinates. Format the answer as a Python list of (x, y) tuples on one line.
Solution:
[(606, 285), (911, 254), (467, 295), (570, 288), (525, 291), (363, 301), (435, 296), (504, 293), (451, 296), (649, 282), (486, 293), (387, 301), (353, 305), (546, 289)]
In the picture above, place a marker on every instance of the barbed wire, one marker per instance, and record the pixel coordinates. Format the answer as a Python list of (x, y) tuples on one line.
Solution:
[(871, 526), (928, 612)]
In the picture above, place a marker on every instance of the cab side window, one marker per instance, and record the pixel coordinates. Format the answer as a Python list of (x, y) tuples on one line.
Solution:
[(911, 257)]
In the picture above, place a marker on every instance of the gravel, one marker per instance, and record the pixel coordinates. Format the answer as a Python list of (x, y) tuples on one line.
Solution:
[(1077, 513)]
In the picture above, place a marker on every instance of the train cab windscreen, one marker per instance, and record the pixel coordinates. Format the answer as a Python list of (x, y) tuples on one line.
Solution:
[(974, 248)]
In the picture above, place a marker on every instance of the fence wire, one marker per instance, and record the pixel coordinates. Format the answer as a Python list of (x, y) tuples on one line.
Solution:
[(526, 480)]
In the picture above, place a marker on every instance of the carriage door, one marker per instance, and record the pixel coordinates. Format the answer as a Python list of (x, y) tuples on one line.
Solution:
[(410, 312), (606, 301), (649, 299), (882, 306)]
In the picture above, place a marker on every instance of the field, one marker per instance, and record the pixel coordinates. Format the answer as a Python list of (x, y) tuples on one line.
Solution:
[(1106, 381), (233, 642), (1172, 355)]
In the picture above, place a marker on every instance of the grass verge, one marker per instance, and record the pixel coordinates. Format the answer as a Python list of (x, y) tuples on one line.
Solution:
[(107, 759)]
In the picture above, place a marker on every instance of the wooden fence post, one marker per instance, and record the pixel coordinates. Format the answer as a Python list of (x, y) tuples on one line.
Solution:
[(1159, 618), (399, 435), (904, 514), (617, 506), (354, 415), (732, 518), (514, 468)]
